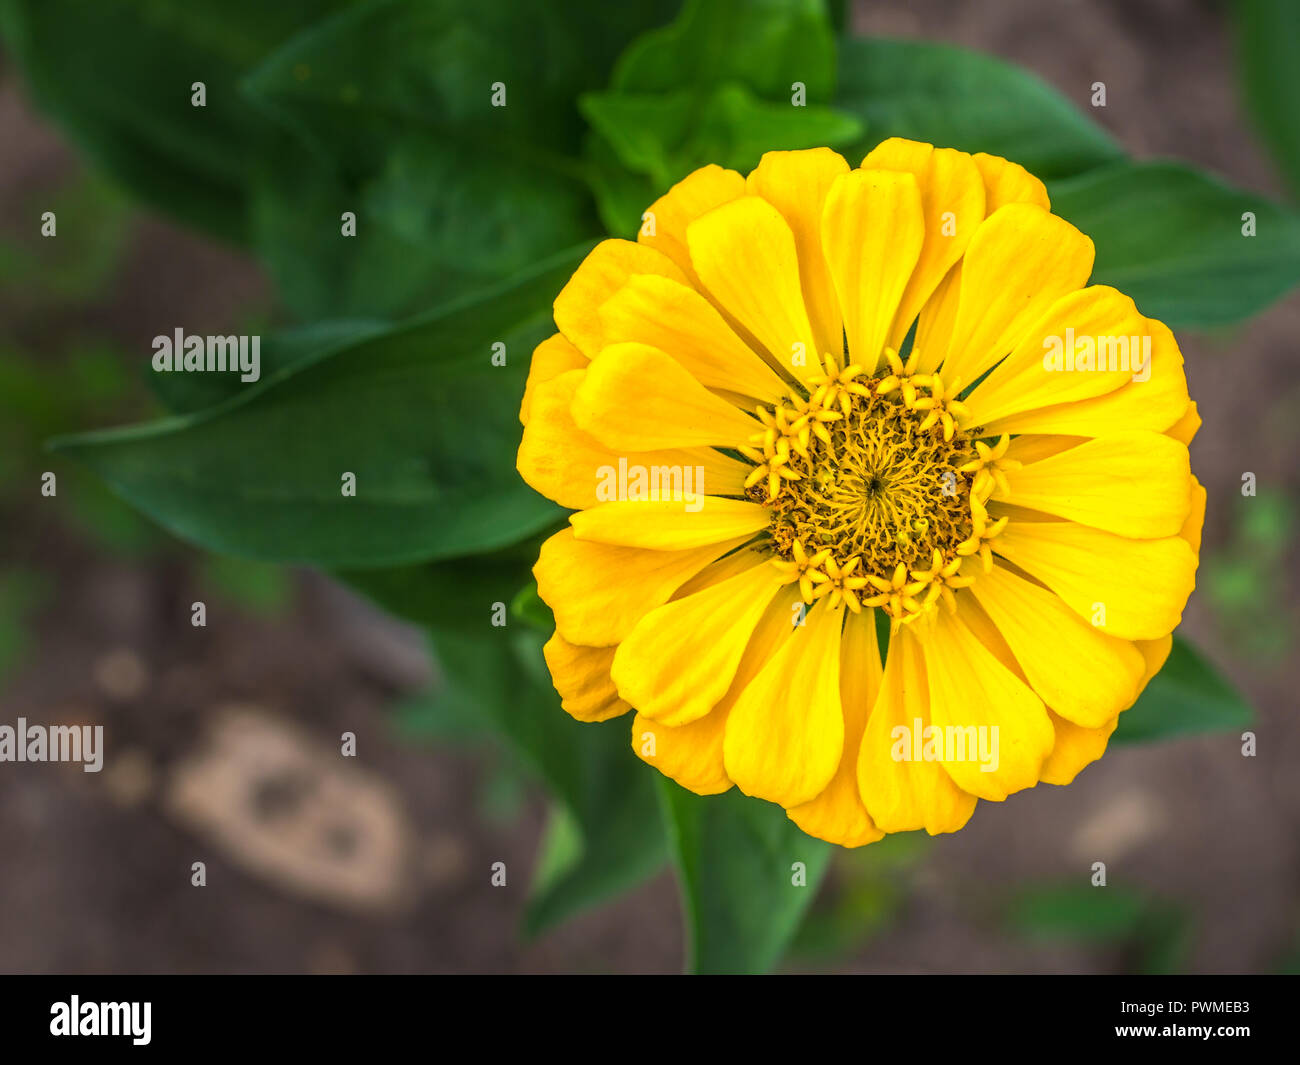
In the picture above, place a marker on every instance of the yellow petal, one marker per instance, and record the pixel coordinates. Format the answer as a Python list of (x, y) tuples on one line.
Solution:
[(567, 465), (1007, 182), (1191, 528), (1036, 447), (665, 222), (1154, 404), (785, 734), (744, 254), (598, 592), (900, 790), (838, 814), (602, 273), (1154, 653), (1186, 427), (678, 662), (691, 754), (1133, 589), (952, 202), (552, 357), (796, 184), (638, 398), (995, 730), (1019, 262), (723, 569), (873, 228), (1004, 183), (1078, 671), (1076, 747), (1134, 484), (979, 622), (581, 676), (679, 321), (1099, 320), (934, 326), (666, 525)]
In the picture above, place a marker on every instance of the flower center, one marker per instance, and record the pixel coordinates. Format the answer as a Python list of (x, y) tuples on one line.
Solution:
[(876, 493), (882, 488)]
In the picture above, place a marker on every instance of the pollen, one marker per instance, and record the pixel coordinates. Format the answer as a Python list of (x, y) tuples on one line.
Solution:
[(872, 487)]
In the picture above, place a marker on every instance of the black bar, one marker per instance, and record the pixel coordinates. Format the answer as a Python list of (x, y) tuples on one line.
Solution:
[(336, 1015)]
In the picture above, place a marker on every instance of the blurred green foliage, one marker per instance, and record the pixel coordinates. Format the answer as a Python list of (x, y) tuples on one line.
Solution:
[(1241, 577), (391, 105), (1268, 58), (714, 86), (1187, 695), (38, 273), (21, 593), (960, 99), (435, 469), (1174, 239), (1152, 935), (866, 891), (119, 73), (258, 587), (747, 873)]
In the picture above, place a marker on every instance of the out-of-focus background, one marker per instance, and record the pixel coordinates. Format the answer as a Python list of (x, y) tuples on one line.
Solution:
[(224, 739)]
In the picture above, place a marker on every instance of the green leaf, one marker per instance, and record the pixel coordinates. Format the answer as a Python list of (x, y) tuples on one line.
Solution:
[(736, 862), (666, 136), (419, 415), (393, 103), (446, 597), (183, 393), (1171, 237), (766, 45), (614, 841), (716, 86), (1187, 696), (527, 606), (621, 195), (378, 71), (954, 98), (1268, 61), (435, 221), (118, 75)]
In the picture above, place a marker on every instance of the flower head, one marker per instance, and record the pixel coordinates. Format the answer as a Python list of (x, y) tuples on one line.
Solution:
[(859, 395)]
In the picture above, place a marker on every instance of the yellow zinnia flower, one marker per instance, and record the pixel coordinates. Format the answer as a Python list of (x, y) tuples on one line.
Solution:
[(762, 413)]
